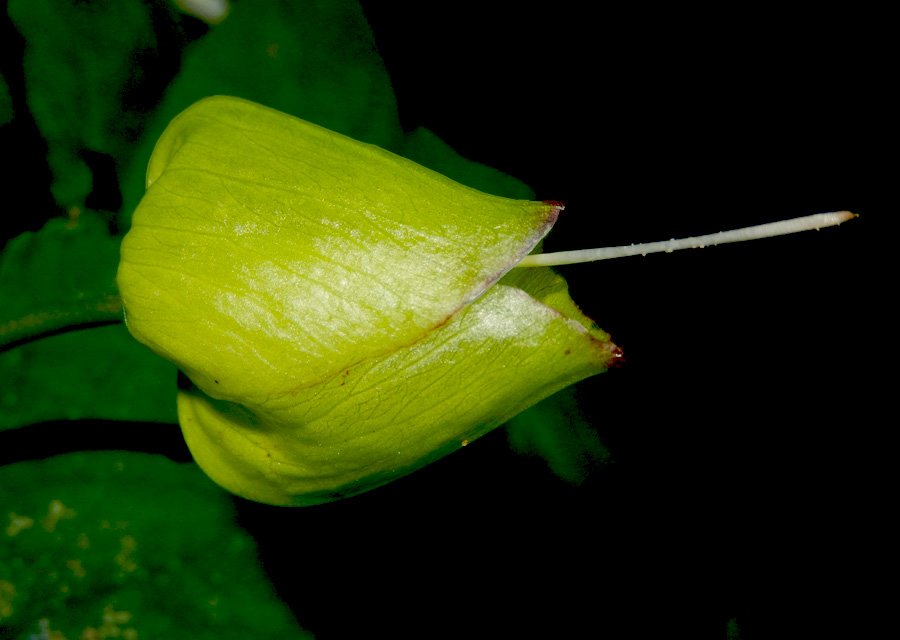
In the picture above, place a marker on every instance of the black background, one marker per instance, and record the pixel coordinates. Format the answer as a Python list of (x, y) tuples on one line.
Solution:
[(736, 423), (732, 424)]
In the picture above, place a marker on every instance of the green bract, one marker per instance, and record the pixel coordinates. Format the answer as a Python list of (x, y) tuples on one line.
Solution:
[(345, 314)]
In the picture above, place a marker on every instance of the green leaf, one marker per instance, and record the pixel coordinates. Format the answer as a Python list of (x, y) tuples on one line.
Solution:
[(79, 59), (426, 148), (555, 430), (62, 275), (314, 60), (129, 545), (100, 373)]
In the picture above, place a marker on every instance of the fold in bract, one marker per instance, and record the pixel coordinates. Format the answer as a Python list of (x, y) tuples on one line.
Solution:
[(337, 306)]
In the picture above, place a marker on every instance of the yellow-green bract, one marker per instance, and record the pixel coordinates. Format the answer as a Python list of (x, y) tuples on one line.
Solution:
[(346, 315)]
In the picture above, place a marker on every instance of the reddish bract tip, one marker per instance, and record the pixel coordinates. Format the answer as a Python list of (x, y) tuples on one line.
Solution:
[(555, 203), (617, 357)]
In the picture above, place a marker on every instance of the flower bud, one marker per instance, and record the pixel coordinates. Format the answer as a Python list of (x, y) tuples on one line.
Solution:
[(346, 315)]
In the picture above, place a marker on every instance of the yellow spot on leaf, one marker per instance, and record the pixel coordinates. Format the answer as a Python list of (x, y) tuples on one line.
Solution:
[(77, 570), (56, 512), (74, 214), (113, 617), (110, 627), (8, 593), (46, 632), (17, 523), (123, 558), (83, 541)]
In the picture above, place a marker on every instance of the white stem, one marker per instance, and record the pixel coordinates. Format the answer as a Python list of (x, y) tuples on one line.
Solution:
[(782, 228)]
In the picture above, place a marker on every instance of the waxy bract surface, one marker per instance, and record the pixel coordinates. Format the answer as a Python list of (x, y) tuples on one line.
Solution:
[(342, 311)]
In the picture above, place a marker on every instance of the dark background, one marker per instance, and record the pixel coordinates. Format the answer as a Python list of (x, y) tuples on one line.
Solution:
[(731, 423), (735, 422)]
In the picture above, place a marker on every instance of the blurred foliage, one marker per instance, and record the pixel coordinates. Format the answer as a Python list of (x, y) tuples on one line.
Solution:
[(82, 62), (6, 106), (128, 545), (151, 544), (555, 430), (424, 147)]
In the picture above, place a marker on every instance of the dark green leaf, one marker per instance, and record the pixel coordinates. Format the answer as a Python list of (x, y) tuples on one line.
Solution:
[(79, 59), (424, 147), (98, 373), (130, 546), (554, 430), (64, 270), (61, 275)]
